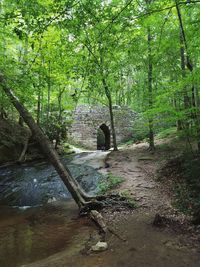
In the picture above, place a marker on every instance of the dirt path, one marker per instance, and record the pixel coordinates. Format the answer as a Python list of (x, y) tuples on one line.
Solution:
[(137, 167), (145, 245)]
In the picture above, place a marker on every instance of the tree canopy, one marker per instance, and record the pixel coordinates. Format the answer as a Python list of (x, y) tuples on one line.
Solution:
[(143, 54)]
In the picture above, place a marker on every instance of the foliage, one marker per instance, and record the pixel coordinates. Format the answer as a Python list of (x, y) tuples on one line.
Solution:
[(130, 199), (56, 127), (140, 129), (110, 182), (58, 53), (166, 133)]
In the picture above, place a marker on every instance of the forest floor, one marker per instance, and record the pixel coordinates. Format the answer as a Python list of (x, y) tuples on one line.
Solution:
[(173, 242)]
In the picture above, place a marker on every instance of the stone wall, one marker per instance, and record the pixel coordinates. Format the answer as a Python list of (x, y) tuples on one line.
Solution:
[(87, 119)]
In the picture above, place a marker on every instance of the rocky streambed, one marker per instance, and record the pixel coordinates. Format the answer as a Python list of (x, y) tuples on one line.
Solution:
[(36, 184)]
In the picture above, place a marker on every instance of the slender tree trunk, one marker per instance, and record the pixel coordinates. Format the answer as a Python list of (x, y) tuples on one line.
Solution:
[(37, 88), (59, 130), (179, 123), (183, 72), (189, 65), (108, 95), (49, 91), (38, 105), (47, 148), (60, 94), (39, 101), (150, 92)]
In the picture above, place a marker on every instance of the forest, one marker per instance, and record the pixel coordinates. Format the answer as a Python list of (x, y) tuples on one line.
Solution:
[(122, 77)]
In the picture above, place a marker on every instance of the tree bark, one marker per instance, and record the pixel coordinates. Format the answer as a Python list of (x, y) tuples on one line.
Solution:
[(49, 91), (188, 63), (38, 105), (183, 73), (108, 95), (78, 195), (150, 92)]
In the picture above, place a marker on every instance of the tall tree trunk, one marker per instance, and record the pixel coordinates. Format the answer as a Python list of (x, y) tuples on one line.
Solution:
[(183, 73), (179, 123), (38, 105), (78, 195), (38, 100), (59, 129), (189, 65), (49, 91), (38, 89), (108, 95), (150, 92)]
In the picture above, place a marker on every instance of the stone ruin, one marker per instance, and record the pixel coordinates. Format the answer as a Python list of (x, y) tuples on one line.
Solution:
[(91, 126)]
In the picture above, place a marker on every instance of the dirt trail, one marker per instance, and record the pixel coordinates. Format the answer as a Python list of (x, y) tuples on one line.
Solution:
[(138, 168), (145, 244)]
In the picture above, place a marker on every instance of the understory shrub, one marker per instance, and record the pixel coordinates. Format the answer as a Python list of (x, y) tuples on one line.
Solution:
[(184, 174)]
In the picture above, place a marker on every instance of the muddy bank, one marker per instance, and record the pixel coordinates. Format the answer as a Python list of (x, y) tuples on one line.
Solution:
[(146, 246)]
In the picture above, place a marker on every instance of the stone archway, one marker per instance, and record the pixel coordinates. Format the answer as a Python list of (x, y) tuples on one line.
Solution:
[(87, 119), (103, 137)]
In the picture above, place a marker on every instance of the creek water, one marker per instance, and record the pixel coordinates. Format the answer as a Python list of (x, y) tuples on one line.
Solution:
[(37, 215), (38, 183)]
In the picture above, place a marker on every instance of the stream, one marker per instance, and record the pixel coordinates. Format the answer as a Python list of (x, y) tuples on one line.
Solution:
[(38, 217)]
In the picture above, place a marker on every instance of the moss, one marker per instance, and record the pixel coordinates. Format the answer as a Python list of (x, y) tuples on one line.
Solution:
[(130, 199), (110, 182)]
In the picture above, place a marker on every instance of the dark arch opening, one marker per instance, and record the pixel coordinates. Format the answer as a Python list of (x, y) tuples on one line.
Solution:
[(103, 137)]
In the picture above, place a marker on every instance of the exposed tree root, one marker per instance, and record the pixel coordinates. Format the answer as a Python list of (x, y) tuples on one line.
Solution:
[(92, 209), (115, 201)]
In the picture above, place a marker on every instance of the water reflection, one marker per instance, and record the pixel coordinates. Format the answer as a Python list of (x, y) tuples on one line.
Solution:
[(38, 232)]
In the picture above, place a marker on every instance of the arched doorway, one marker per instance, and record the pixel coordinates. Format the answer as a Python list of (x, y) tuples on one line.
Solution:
[(103, 137)]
